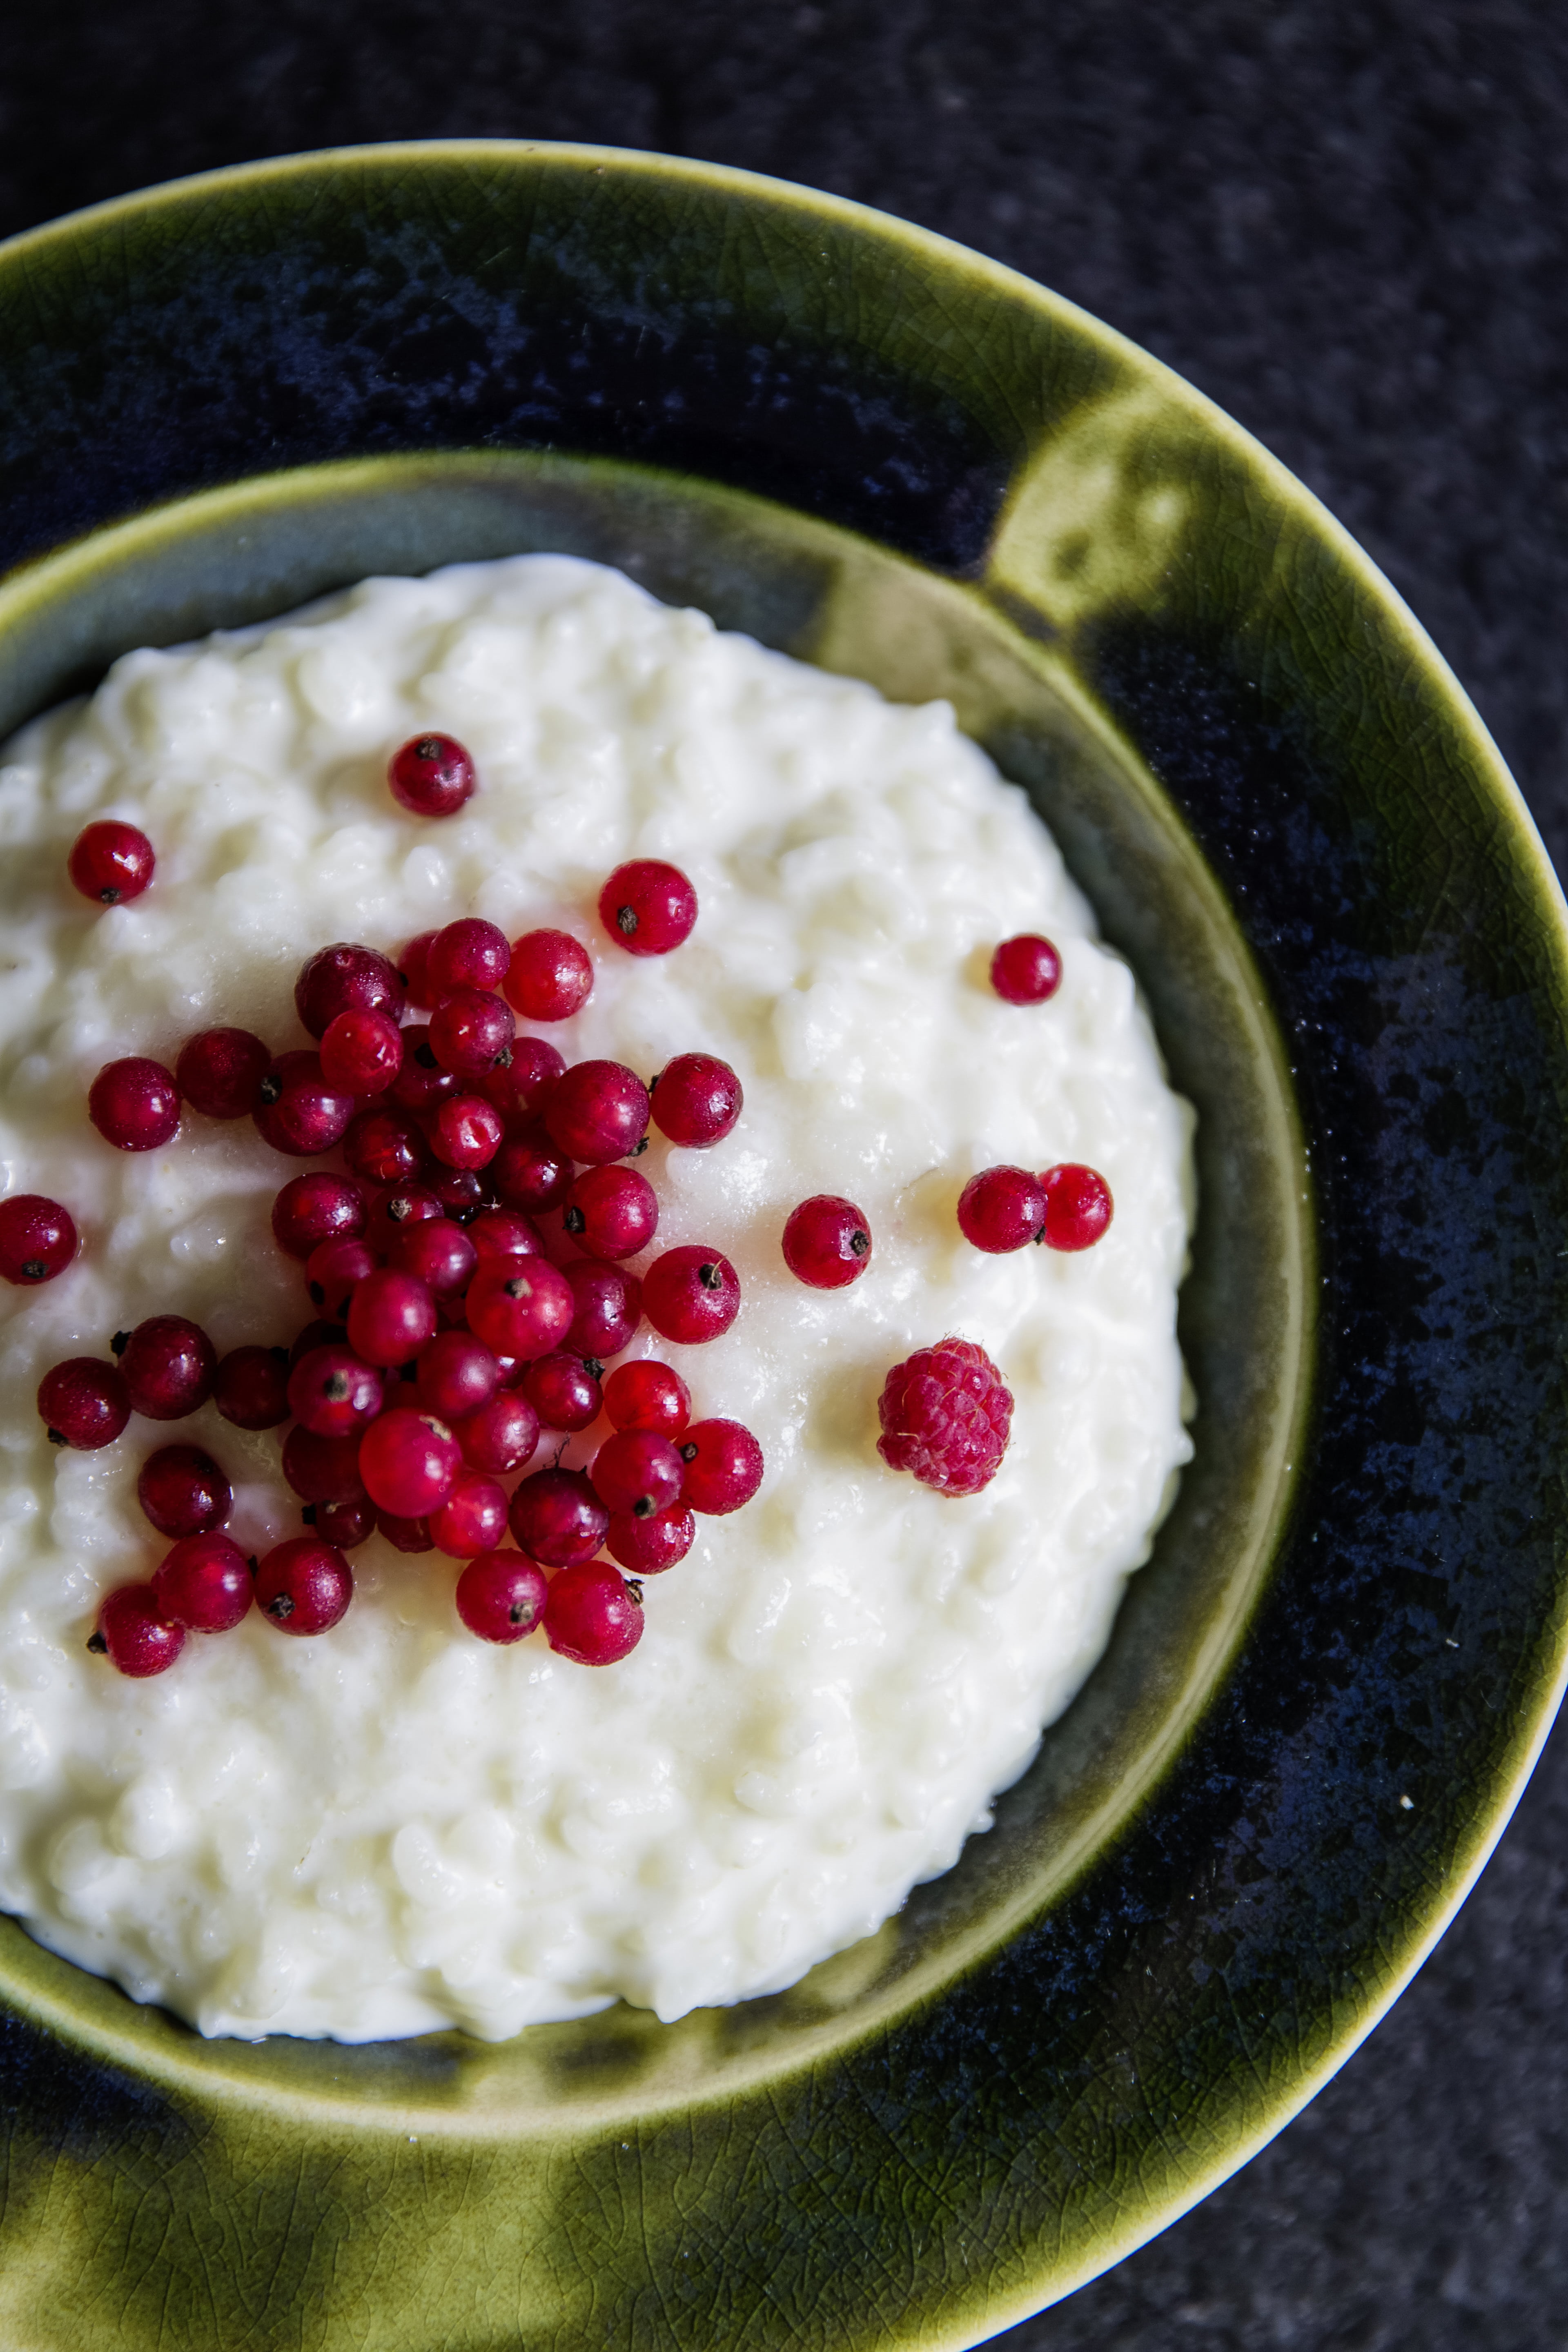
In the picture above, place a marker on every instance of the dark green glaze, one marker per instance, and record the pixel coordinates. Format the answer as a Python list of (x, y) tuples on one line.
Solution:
[(882, 453)]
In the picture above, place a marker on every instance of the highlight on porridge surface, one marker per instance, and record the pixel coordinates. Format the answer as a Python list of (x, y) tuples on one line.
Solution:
[(590, 1246)]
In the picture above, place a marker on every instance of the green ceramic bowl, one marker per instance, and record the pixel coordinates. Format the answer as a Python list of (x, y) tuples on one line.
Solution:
[(887, 456)]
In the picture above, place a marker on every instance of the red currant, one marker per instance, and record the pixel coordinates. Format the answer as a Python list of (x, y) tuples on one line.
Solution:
[(460, 1191), (470, 953), (612, 1212), (458, 1374), (110, 862), (250, 1386), (501, 1235), (696, 1100), (646, 1395), (648, 1547), (436, 1253), (421, 1083), (557, 1518), (593, 1615), (723, 1467), (597, 1111), (134, 1105), (182, 1491), (501, 1596), (529, 1174), (332, 1392), (37, 1239), (691, 1294), (471, 1032), (501, 1435), (562, 1390), (167, 1365), (315, 1208), (385, 1147), (204, 1584), (342, 1525), (362, 1051), (304, 1586), (413, 970), (219, 1072), (409, 1463), (1077, 1206), (466, 1131), (400, 1206), (523, 1309), (647, 907), (1002, 1209), (520, 1089), (345, 978), (827, 1242), (431, 775), (317, 1333), (404, 1534), (335, 1272), (390, 1318), (323, 1469), (550, 978), (472, 1519), (637, 1471), (298, 1111), (608, 1308), (83, 1403), (133, 1635), (1025, 971)]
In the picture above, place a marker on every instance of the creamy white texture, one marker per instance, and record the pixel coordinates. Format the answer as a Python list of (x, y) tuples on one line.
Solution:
[(396, 1827)]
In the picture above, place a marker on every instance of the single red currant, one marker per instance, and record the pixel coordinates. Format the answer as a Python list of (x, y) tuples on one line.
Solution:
[(323, 1469), (436, 1253), (1025, 971), (723, 1467), (520, 1089), (83, 1403), (332, 1392), (612, 1212), (250, 1386), (466, 1131), (529, 1174), (648, 1547), (471, 953), (342, 1525), (461, 1192), (637, 1471), (299, 1112), (524, 1307), (134, 1105), (557, 1518), (431, 775), (471, 1032), (501, 1435), (167, 1365), (385, 1147), (696, 1100), (597, 1111), (133, 1635), (400, 1206), (345, 978), (404, 1534), (646, 1395), (1077, 1206), (413, 970), (304, 1586), (550, 978), (421, 1083), (390, 1318), (219, 1072), (362, 1051), (110, 862), (458, 1374), (335, 1272), (647, 908), (182, 1491), (501, 1235), (409, 1463), (1002, 1209), (562, 1390), (472, 1519), (827, 1242), (691, 1294), (501, 1596), (315, 1208), (607, 1309), (37, 1239), (204, 1584), (593, 1615), (945, 1417)]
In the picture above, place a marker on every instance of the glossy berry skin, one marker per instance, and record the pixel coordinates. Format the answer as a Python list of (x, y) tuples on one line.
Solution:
[(636, 1472), (111, 862), (827, 1242), (466, 1132), (531, 1173), (648, 1395), (557, 1518), (37, 1239), (409, 1463), (421, 1083), (219, 1072), (362, 1051), (501, 1596), (436, 1253), (83, 1403), (431, 775), (608, 1308), (458, 1374), (131, 1630), (520, 1089), (647, 908), (390, 1318), (562, 1392), (1026, 969), (1002, 1209), (523, 1309), (404, 1534), (335, 1272), (135, 1104), (323, 1469), (648, 1547), (551, 976), (501, 1437), (168, 1365), (250, 1386), (183, 1492), (612, 1212), (342, 1525), (316, 1208), (697, 1099), (318, 1333), (472, 1519), (304, 1586), (597, 1111), (691, 1294), (470, 1032), (461, 1192), (1079, 1206), (945, 1417), (332, 1393), (470, 953), (723, 1467), (501, 1235), (413, 970), (299, 1112), (593, 1615), (345, 978), (385, 1147), (394, 1211), (204, 1584)]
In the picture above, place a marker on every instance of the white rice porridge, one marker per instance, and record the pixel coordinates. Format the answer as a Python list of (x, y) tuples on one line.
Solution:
[(396, 1827)]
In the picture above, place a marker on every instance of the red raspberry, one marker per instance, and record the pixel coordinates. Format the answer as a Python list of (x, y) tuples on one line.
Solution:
[(945, 1415)]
